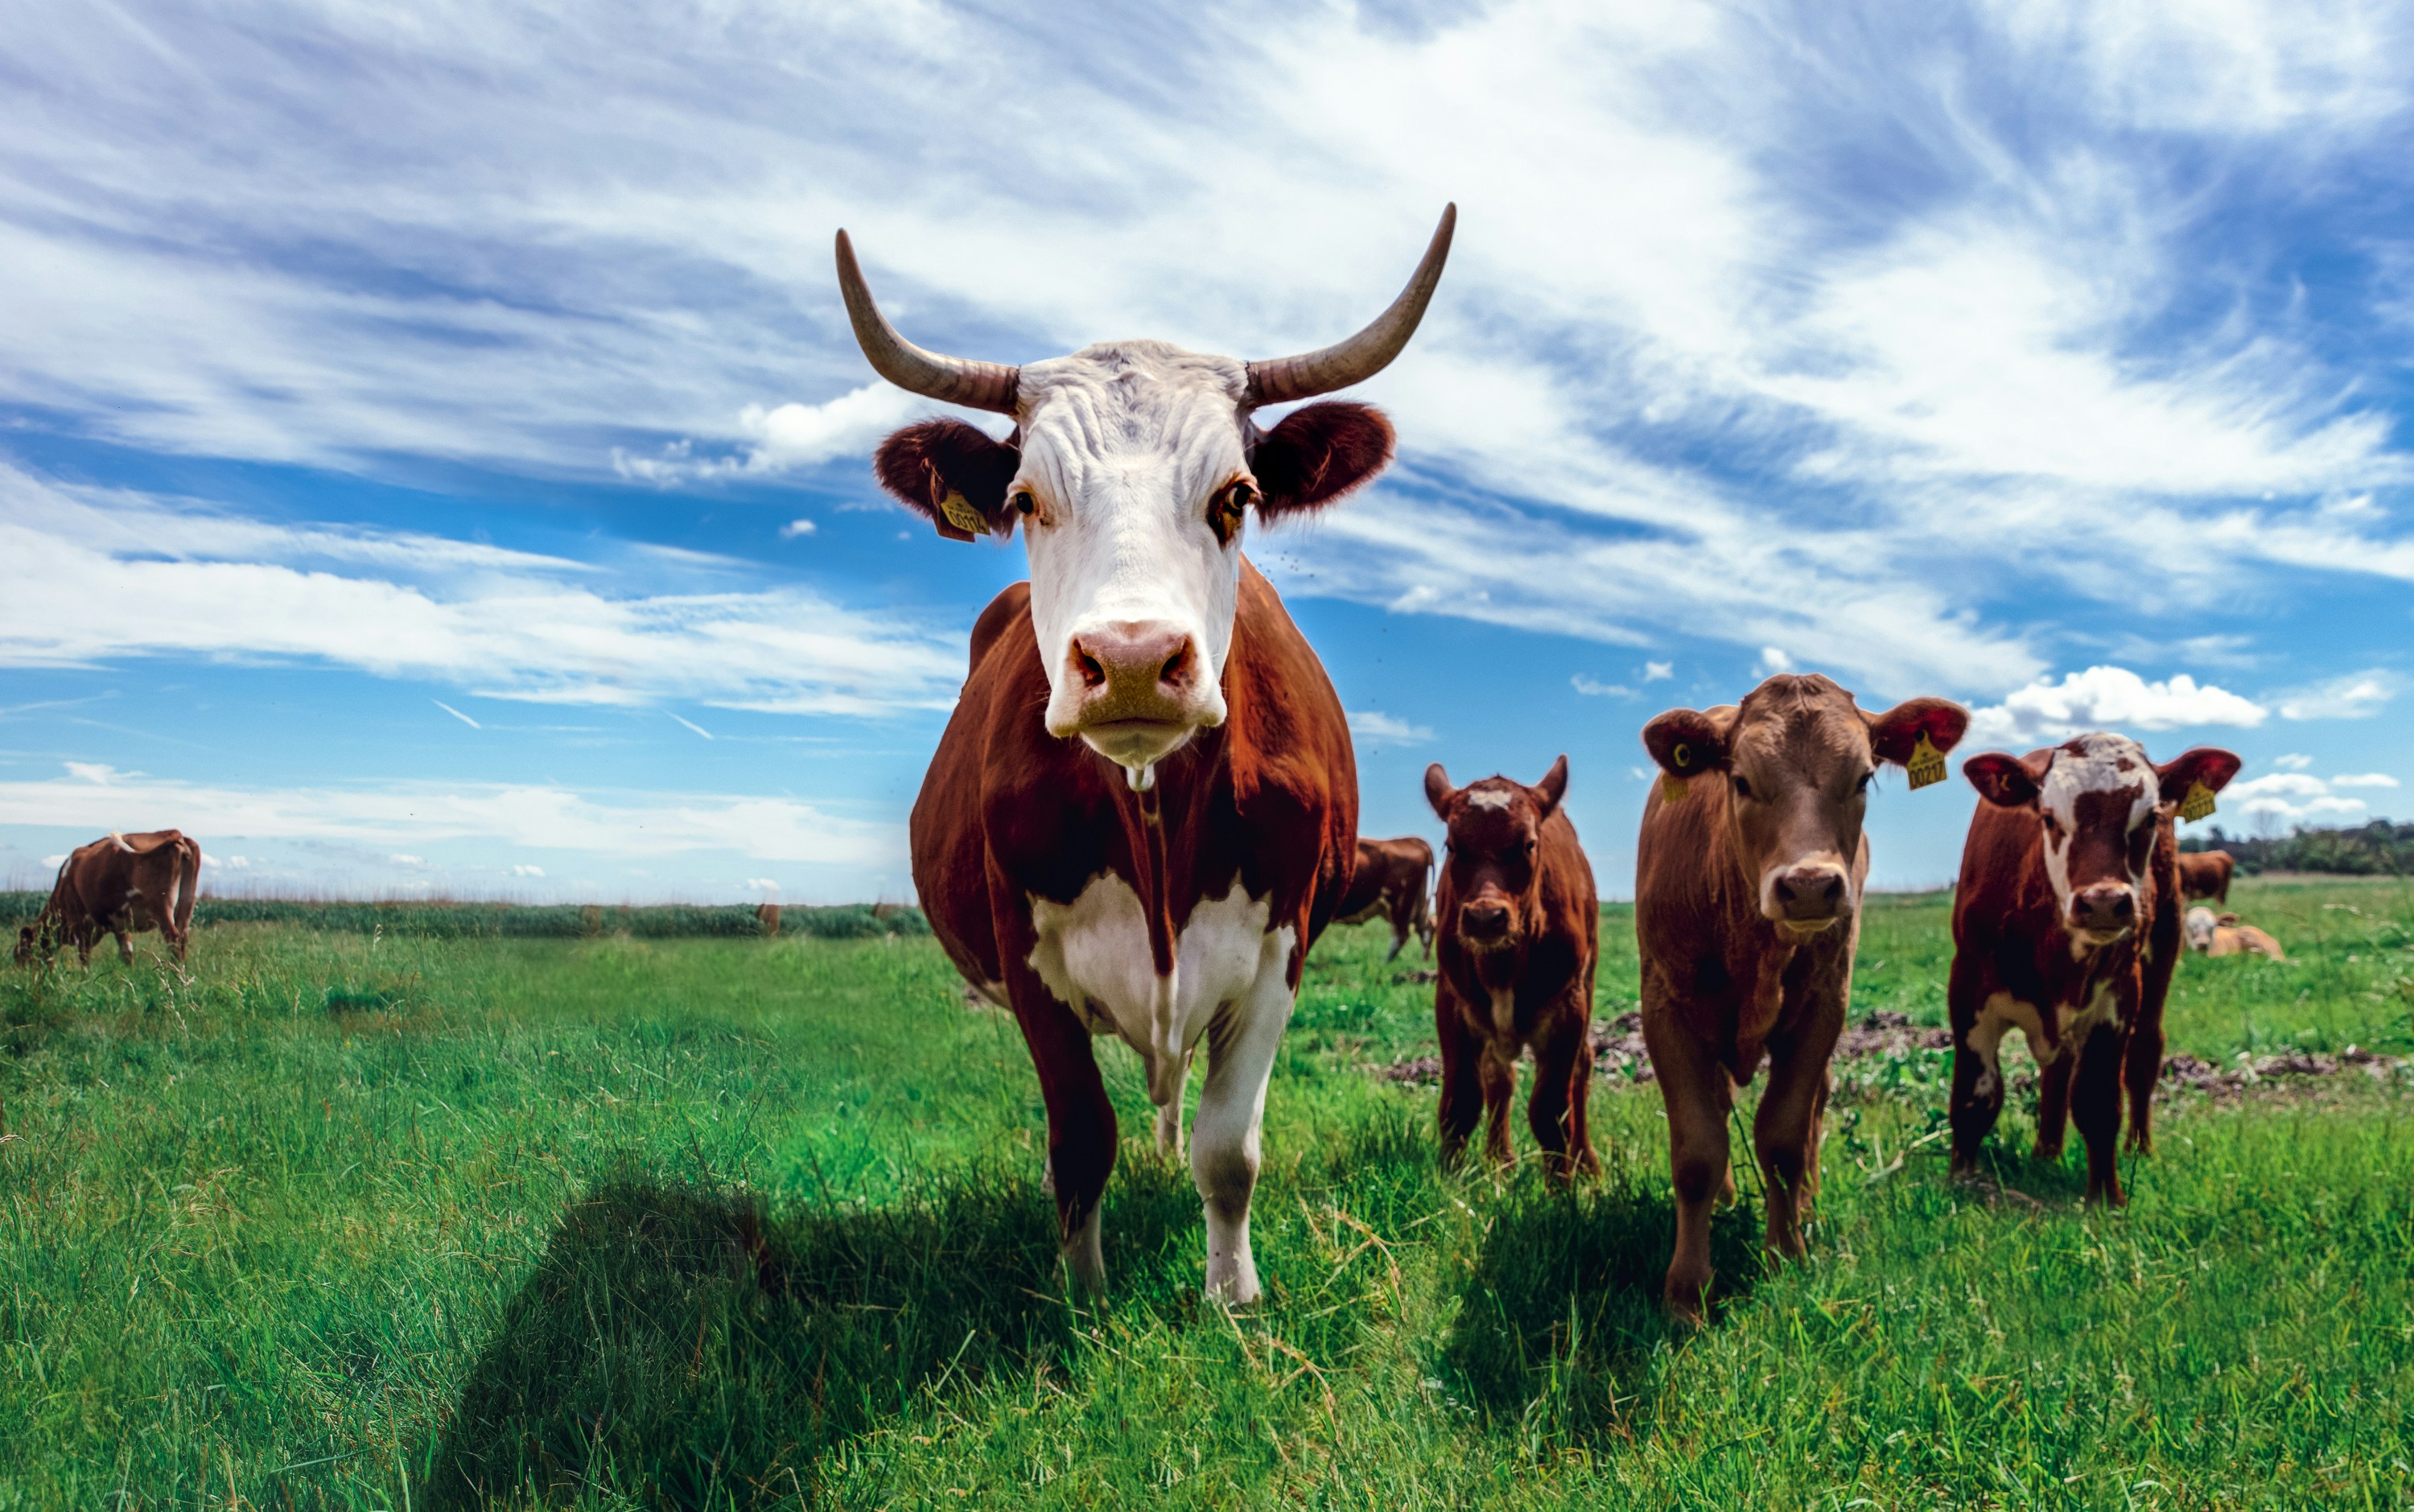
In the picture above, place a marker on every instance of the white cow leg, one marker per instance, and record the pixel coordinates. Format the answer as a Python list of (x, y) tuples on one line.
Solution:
[(1084, 1258), (1240, 1048), (1169, 1115)]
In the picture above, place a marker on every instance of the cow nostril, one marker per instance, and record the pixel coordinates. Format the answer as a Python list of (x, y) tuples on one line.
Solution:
[(1175, 666), (1094, 672)]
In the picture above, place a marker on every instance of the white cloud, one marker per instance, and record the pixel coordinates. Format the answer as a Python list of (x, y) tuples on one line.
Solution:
[(1376, 728), (786, 437), (1658, 671), (524, 870), (54, 862), (2291, 797), (2355, 696), (1593, 687), (456, 713), (692, 725), (2107, 698), (527, 817), (796, 527), (2365, 779), (2292, 762), (509, 631), (1772, 661), (405, 859), (763, 884)]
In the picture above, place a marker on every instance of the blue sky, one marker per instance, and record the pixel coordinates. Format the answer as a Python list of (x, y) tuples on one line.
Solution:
[(433, 459)]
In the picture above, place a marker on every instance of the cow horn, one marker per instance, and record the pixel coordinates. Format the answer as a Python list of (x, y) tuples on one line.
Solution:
[(976, 386), (1368, 352)]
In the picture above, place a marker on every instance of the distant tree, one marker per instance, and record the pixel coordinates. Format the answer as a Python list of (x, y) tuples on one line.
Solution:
[(2379, 848)]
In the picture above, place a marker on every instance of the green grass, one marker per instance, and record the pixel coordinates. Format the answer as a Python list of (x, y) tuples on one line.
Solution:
[(341, 1219)]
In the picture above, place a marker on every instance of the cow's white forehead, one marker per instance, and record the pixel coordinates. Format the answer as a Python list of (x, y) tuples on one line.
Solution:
[(1489, 797), (2098, 764), (1124, 406)]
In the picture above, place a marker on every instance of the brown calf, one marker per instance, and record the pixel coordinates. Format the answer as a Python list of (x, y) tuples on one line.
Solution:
[(2067, 926), (1392, 880), (1747, 909), (120, 885), (2205, 873), (1520, 927)]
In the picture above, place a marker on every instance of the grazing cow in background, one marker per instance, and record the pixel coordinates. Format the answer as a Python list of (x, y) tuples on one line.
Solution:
[(2205, 873), (1520, 928), (1747, 911), (1393, 877), (2210, 934), (120, 885), (1145, 805), (766, 920), (2067, 926)]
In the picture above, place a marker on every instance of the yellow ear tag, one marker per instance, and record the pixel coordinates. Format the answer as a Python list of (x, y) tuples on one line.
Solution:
[(957, 511), (2197, 803), (1927, 763), (1672, 788)]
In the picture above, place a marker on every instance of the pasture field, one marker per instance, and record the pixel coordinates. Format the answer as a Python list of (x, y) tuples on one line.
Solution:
[(351, 1219)]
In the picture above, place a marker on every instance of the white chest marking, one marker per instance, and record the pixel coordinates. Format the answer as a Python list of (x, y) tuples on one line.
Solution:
[(1093, 953), (1504, 1015)]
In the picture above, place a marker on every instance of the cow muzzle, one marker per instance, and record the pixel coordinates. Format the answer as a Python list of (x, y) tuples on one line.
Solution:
[(1487, 923), (1134, 691), (2102, 912), (1805, 899)]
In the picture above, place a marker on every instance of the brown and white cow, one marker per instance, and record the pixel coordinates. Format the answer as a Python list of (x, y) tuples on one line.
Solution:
[(2205, 873), (2217, 935), (121, 885), (1747, 911), (1393, 880), (2067, 926), (1520, 933), (1144, 808)]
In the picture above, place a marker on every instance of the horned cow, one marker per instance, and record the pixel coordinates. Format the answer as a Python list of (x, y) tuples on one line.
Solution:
[(1144, 807), (1747, 911), (2067, 926), (121, 885)]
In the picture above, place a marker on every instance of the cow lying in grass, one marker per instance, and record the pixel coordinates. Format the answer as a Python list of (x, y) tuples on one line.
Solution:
[(1747, 911), (2211, 934), (2066, 927), (1519, 927), (121, 885)]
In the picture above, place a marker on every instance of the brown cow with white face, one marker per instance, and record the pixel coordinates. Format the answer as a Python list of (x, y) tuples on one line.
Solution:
[(1144, 810), (2066, 926), (121, 885), (1519, 925), (1747, 911)]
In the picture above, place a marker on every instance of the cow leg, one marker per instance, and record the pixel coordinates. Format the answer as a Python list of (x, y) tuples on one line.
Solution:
[(2096, 1108), (1697, 1093), (1080, 1120), (1978, 1097), (1785, 1134), (1399, 928), (1168, 1115), (1499, 1075), (2142, 1069), (1242, 1041), (1462, 1084), (1554, 1107), (2053, 1104), (124, 947)]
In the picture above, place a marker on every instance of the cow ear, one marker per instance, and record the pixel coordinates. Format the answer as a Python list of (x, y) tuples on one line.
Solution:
[(1317, 454), (1687, 743), (1895, 733), (1553, 787), (2208, 764), (2002, 780), (950, 474), (1438, 792)]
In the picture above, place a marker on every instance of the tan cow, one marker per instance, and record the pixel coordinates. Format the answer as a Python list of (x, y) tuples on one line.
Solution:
[(1393, 879), (1747, 911), (120, 885), (2210, 934), (2205, 873)]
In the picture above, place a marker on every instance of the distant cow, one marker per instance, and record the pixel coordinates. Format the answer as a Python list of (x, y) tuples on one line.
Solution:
[(2067, 926), (2210, 934), (1394, 876), (1747, 909), (2205, 873), (120, 885), (766, 920), (1520, 927)]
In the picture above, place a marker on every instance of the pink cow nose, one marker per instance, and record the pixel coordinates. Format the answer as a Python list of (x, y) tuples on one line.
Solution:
[(1135, 670), (1809, 894), (2103, 908)]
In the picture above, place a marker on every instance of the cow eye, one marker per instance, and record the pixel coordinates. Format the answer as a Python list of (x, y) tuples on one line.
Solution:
[(1022, 502), (1863, 785), (1743, 788)]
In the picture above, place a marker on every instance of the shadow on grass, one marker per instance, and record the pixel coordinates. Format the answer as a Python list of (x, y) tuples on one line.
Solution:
[(1561, 1312), (674, 1347)]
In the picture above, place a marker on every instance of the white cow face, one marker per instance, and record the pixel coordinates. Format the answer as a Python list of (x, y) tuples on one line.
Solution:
[(1132, 475), (2097, 800)]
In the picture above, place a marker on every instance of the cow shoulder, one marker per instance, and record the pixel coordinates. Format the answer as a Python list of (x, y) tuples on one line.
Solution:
[(1009, 609)]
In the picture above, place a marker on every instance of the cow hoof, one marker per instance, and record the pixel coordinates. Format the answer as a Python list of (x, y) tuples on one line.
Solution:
[(2046, 1154)]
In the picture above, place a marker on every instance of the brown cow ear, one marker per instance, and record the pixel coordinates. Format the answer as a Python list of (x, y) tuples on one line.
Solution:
[(1438, 792), (1895, 733), (1687, 743), (2208, 764), (950, 474), (1553, 787), (1314, 454), (2001, 780)]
